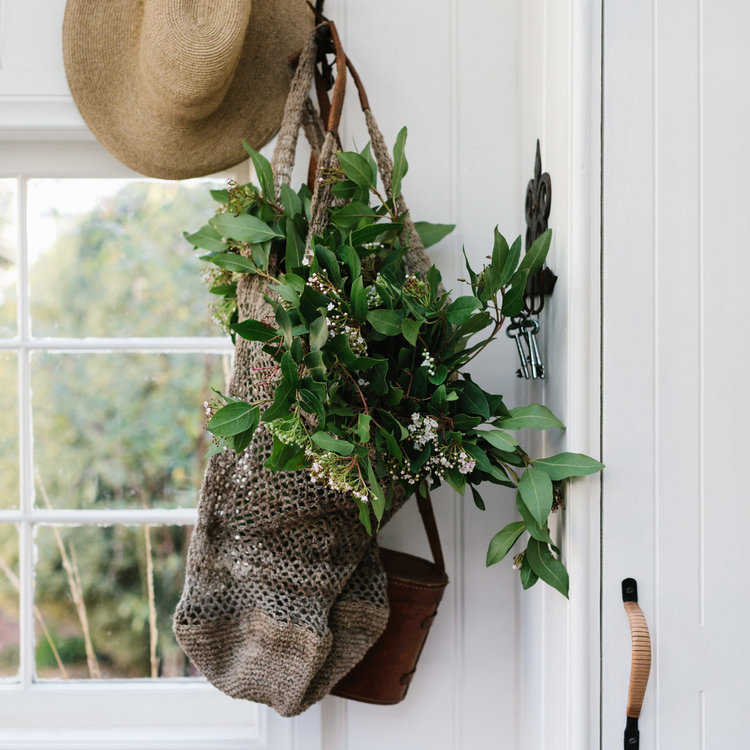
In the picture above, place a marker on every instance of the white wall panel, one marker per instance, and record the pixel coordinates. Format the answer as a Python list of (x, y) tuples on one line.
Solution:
[(561, 106), (675, 510)]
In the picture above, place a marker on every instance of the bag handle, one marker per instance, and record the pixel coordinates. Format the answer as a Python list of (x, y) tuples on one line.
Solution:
[(297, 113), (424, 503), (415, 259)]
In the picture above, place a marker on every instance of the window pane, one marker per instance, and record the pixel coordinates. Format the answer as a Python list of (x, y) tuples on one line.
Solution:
[(8, 431), (8, 601), (116, 430), (107, 257), (107, 594), (8, 256)]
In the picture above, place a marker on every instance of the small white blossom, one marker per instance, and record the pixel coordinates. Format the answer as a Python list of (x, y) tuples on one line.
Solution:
[(428, 362)]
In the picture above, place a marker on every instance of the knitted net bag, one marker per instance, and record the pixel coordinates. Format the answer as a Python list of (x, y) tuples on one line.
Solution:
[(284, 590)]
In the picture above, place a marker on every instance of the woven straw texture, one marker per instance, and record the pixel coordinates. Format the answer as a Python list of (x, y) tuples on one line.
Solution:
[(171, 87), (284, 590)]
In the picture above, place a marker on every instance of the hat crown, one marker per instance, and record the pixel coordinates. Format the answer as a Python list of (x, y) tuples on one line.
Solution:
[(189, 52)]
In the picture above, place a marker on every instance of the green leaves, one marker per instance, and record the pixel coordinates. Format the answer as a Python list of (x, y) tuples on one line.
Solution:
[(295, 245), (474, 401), (291, 202), (351, 214), (528, 576), (387, 322), (564, 465), (347, 347), (378, 496), (533, 416), (511, 261), (431, 234), (243, 228), (546, 566), (460, 310), (537, 531), (254, 330), (231, 262), (284, 321), (499, 439), (536, 491), (513, 299), (410, 330), (500, 250), (400, 165), (501, 543), (537, 253), (263, 171), (233, 419), (359, 300), (329, 442), (318, 333), (206, 238), (356, 168), (363, 427)]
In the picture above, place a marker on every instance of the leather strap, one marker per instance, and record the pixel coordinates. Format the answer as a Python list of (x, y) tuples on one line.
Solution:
[(424, 503)]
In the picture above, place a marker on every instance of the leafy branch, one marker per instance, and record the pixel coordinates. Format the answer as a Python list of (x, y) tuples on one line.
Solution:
[(355, 337)]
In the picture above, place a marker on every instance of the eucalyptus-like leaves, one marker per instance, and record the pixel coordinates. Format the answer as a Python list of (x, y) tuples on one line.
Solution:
[(371, 393)]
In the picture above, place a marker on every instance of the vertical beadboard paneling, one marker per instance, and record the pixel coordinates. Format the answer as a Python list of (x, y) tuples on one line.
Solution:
[(489, 172), (677, 356), (675, 166), (630, 388), (726, 355)]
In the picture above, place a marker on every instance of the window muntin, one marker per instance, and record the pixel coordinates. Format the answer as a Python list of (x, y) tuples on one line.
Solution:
[(8, 256), (110, 386), (39, 710)]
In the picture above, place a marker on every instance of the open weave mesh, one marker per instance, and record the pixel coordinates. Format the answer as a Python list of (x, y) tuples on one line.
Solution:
[(284, 591)]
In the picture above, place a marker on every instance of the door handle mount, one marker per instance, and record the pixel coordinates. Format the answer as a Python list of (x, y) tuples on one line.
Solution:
[(640, 661)]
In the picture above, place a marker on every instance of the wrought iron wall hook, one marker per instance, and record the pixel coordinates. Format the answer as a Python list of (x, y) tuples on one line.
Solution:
[(524, 328), (538, 206)]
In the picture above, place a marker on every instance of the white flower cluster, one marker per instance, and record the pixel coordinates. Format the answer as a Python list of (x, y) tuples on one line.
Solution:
[(428, 362), (337, 320), (373, 298), (323, 471), (423, 430), (466, 463)]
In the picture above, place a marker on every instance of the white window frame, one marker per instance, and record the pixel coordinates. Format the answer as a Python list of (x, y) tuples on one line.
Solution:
[(165, 713)]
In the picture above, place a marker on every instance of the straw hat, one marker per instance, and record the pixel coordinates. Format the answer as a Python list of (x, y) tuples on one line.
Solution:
[(171, 87)]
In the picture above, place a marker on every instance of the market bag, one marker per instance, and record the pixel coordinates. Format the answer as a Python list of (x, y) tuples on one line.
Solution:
[(284, 590)]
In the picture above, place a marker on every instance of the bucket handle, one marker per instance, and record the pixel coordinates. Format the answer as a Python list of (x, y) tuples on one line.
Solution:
[(424, 503)]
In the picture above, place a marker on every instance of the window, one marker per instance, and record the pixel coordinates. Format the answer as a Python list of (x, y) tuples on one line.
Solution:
[(106, 352)]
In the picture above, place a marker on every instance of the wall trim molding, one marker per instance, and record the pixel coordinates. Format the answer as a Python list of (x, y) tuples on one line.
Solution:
[(562, 652), (26, 118)]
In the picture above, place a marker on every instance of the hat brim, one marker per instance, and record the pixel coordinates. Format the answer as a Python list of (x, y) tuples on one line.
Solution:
[(100, 48)]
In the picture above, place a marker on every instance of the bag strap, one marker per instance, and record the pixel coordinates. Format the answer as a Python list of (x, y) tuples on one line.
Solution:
[(416, 259), (298, 112), (424, 503)]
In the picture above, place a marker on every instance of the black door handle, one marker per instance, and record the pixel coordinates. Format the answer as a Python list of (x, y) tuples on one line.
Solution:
[(640, 662)]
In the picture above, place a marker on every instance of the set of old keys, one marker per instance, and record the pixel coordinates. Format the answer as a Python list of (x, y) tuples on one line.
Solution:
[(523, 331), (524, 328)]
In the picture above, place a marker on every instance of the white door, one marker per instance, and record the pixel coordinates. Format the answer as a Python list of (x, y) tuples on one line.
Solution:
[(676, 515)]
